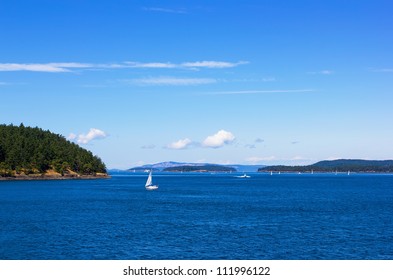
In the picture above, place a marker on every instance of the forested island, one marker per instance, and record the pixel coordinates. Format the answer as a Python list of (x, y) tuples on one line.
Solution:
[(340, 165), (33, 153), (201, 168)]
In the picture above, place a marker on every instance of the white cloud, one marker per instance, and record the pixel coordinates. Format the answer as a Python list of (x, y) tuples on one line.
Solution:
[(93, 134), (165, 10), (322, 72), (72, 65), (219, 139), (187, 65), (180, 145), (150, 64), (59, 67), (172, 81), (32, 67), (212, 64), (71, 137)]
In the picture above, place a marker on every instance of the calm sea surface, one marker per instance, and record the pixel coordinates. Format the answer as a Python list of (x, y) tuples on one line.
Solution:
[(199, 216)]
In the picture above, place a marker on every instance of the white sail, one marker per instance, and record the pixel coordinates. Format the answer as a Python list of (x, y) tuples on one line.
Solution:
[(149, 182)]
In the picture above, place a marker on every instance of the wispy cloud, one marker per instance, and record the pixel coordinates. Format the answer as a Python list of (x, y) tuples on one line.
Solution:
[(322, 72), (185, 65), (165, 10), (180, 144), (45, 67), (212, 64), (32, 67), (164, 65), (259, 91), (219, 139), (61, 67), (171, 81), (93, 134)]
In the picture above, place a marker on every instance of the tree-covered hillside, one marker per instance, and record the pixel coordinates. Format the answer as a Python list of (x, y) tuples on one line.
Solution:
[(27, 150), (341, 165), (201, 168)]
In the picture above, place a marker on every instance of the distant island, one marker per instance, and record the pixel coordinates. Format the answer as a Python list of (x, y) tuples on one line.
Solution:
[(200, 168), (31, 153), (161, 166), (340, 165)]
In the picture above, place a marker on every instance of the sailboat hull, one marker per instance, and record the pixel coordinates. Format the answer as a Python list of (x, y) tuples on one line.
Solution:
[(151, 188)]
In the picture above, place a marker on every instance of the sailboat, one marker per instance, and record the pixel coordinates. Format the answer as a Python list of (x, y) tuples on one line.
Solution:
[(149, 183)]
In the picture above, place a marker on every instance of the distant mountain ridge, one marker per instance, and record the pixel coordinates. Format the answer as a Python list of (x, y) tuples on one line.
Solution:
[(200, 168), (340, 165), (169, 164)]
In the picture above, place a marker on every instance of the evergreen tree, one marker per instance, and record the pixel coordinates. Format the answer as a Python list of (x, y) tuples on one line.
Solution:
[(33, 150)]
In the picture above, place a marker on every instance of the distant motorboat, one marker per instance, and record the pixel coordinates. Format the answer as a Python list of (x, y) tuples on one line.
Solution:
[(243, 176), (149, 182)]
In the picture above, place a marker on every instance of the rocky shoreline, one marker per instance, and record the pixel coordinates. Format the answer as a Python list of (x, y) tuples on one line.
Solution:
[(23, 177)]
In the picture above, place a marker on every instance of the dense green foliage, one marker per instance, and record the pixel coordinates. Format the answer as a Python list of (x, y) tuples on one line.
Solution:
[(341, 165), (202, 168), (33, 150)]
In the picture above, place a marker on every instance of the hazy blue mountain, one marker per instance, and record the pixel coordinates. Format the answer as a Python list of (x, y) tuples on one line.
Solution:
[(340, 165), (200, 168), (168, 164)]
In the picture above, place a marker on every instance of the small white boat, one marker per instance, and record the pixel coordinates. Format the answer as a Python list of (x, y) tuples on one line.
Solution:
[(243, 176), (149, 182)]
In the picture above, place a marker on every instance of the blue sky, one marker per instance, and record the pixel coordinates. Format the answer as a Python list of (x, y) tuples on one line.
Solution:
[(251, 82)]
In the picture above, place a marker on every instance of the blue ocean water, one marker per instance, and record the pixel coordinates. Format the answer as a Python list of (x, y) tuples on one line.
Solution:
[(199, 216)]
